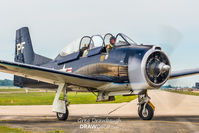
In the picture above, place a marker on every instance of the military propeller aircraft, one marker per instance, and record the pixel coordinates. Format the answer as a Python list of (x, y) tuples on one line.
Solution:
[(89, 65)]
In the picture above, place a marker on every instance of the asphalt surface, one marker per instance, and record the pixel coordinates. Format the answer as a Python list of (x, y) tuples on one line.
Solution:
[(175, 113)]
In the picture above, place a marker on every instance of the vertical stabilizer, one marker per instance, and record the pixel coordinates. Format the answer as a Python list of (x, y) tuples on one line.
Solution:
[(23, 50)]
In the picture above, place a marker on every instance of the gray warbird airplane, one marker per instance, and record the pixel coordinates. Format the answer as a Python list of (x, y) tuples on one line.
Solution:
[(106, 65)]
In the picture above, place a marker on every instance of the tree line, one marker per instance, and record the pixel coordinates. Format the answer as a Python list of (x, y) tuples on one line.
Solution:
[(6, 82)]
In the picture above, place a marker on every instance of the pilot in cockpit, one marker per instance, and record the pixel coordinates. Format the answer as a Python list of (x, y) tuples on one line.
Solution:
[(84, 50), (110, 46)]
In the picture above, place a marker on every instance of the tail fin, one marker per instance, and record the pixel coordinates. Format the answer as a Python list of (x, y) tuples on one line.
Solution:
[(24, 53)]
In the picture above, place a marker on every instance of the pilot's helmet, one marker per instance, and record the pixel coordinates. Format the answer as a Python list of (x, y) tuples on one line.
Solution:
[(112, 40)]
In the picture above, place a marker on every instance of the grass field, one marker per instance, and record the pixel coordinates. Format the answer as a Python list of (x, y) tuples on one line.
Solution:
[(4, 129), (46, 98), (7, 89), (12, 90)]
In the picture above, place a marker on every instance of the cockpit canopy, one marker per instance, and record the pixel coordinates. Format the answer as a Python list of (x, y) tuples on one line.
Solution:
[(91, 42)]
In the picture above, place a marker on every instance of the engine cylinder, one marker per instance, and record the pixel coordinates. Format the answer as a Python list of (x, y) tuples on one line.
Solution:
[(157, 68)]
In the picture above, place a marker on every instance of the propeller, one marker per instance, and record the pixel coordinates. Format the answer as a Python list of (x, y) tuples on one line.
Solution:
[(157, 67), (170, 39)]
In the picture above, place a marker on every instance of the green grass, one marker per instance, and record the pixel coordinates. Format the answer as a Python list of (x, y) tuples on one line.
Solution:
[(12, 90), (184, 92), (4, 129), (16, 90), (56, 131), (32, 98), (46, 98)]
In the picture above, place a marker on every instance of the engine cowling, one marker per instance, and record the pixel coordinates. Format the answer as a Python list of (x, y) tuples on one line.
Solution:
[(150, 70)]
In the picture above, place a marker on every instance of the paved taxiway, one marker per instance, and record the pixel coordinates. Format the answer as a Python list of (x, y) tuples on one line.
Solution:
[(174, 113)]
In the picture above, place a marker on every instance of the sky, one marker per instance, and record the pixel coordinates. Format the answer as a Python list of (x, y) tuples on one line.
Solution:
[(172, 24)]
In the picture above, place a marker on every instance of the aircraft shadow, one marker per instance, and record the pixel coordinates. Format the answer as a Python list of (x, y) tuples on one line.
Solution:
[(188, 118), (53, 119)]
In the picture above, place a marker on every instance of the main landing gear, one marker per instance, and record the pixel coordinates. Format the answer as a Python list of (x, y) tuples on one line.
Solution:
[(61, 106), (146, 108)]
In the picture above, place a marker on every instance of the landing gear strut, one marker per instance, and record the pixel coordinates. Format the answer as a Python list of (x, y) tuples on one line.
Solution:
[(146, 108), (61, 106)]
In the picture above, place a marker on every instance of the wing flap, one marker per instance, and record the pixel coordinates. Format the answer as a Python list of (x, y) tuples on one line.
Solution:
[(50, 75)]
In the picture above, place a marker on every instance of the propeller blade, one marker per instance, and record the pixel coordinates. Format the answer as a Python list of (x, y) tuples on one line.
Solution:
[(169, 38)]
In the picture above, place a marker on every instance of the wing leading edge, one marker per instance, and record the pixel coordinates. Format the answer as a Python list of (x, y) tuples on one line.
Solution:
[(50, 75), (184, 73)]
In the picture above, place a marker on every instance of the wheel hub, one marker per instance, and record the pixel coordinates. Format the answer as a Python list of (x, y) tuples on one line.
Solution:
[(60, 115), (145, 112)]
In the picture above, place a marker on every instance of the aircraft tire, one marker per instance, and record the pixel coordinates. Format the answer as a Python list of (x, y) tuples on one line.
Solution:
[(63, 116), (148, 115)]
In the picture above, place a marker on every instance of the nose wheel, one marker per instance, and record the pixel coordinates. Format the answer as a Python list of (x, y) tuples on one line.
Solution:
[(63, 116), (146, 108)]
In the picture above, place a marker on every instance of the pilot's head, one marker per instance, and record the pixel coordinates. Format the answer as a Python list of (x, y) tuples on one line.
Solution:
[(112, 40), (85, 45)]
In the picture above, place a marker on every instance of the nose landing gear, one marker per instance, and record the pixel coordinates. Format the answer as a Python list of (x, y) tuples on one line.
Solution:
[(146, 108)]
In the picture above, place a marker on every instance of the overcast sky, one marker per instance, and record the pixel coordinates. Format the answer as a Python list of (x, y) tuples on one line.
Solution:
[(53, 24)]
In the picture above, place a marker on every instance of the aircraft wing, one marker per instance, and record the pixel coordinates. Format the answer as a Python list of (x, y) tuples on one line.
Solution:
[(50, 75), (184, 73)]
